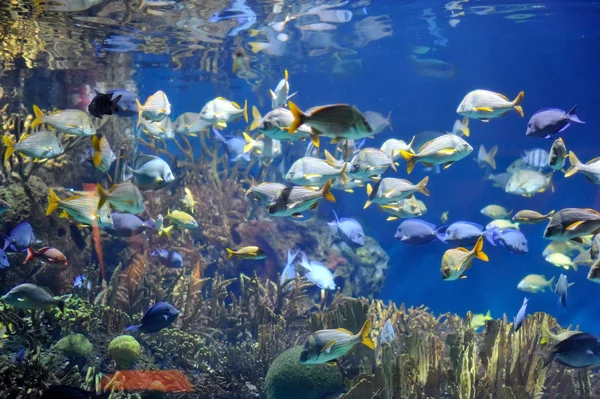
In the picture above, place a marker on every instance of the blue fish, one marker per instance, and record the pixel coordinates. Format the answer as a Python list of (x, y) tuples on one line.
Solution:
[(168, 258), (318, 274), (4, 262), (511, 239), (561, 289), (518, 320), (157, 317), (234, 145), (20, 238), (127, 103), (549, 121), (20, 355), (127, 225), (463, 233), (577, 351), (417, 231), (350, 231), (289, 271)]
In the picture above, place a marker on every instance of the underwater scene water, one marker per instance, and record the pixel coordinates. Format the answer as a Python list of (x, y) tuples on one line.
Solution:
[(299, 199)]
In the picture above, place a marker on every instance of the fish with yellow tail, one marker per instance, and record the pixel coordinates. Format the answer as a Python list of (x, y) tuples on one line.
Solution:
[(485, 158), (443, 150), (531, 217), (292, 201), (326, 346), (160, 227), (337, 121), (124, 197), (479, 320), (220, 111), (591, 169), (249, 252), (461, 128), (456, 261), (182, 219), (275, 124), (389, 190), (485, 105), (156, 108), (188, 199), (40, 145), (280, 96), (83, 208), (103, 156), (69, 121)]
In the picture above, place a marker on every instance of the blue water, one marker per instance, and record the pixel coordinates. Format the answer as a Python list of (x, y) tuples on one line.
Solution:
[(549, 56)]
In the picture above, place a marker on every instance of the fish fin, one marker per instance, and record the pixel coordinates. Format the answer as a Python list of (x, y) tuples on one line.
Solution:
[(517, 104), (326, 191), (249, 142), (550, 214), (256, 118), (328, 345), (490, 157), (246, 110), (412, 141), (330, 159), (140, 110), (133, 328), (369, 190), (299, 118), (53, 202), (465, 126), (38, 117), (30, 255), (479, 250), (9, 147), (572, 115), (483, 109), (97, 151), (315, 139), (343, 330), (230, 253), (422, 186), (367, 204), (410, 160), (167, 231), (573, 226), (273, 95), (391, 218), (364, 334), (575, 164), (486, 121), (547, 356), (447, 151), (448, 164)]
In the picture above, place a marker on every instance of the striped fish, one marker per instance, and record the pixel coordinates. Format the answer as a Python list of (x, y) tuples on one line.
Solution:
[(535, 159), (328, 345)]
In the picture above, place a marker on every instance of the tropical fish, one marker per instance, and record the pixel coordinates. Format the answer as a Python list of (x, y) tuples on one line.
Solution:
[(502, 224), (188, 199), (583, 259), (463, 233), (578, 351), (280, 96), (313, 172), (149, 173), (403, 209), (511, 239), (485, 105), (479, 320), (40, 145), (20, 238), (484, 157), (558, 154), (561, 289), (392, 147), (549, 121), (317, 273), (527, 183), (350, 231), (324, 346), (156, 108), (594, 273), (125, 197), (250, 252), (595, 247), (68, 121), (390, 189), (338, 121), (535, 283), (292, 201), (531, 217), (81, 207), (182, 219), (568, 248), (235, 147), (561, 260), (30, 296), (536, 159), (158, 316), (221, 111), (241, 61), (591, 169), (46, 254), (289, 271), (443, 150), (377, 121), (572, 224), (370, 162), (387, 333), (496, 212), (416, 231), (265, 148), (171, 259), (500, 180), (162, 129), (103, 155), (275, 124), (266, 192), (190, 124), (457, 261), (128, 225), (128, 103), (103, 104), (518, 320)]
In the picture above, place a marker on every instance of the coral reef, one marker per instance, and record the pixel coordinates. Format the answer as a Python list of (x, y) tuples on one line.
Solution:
[(74, 345), (125, 350)]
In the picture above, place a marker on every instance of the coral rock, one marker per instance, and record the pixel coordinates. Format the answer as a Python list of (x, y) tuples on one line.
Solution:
[(125, 350)]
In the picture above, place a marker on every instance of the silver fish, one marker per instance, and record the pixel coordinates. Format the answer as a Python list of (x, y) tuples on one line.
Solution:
[(443, 150), (40, 145), (68, 121), (558, 154), (30, 296)]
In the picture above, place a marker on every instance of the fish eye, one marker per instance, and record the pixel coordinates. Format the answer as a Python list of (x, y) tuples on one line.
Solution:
[(292, 174), (529, 124)]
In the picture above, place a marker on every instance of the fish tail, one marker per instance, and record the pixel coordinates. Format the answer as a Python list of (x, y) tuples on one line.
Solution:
[(140, 110), (410, 160), (299, 118), (389, 120), (465, 126), (30, 255), (517, 102), (61, 301), (490, 157), (167, 231), (422, 186), (326, 190), (392, 163), (256, 118), (133, 328), (102, 194), (53, 202), (572, 115), (250, 142), (38, 116), (364, 335), (127, 173), (575, 164), (246, 110), (369, 193), (314, 137), (550, 214), (9, 147), (547, 356), (343, 175), (412, 141), (114, 103), (230, 253), (97, 151), (479, 250)]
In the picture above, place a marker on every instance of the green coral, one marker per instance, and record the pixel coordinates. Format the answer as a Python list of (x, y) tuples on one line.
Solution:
[(287, 378), (125, 350), (75, 345)]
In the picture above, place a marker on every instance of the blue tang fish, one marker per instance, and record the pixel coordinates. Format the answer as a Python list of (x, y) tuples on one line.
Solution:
[(577, 351), (518, 320), (549, 121), (127, 104), (128, 225), (20, 238), (511, 239), (417, 231), (157, 317), (463, 233), (350, 231), (169, 258)]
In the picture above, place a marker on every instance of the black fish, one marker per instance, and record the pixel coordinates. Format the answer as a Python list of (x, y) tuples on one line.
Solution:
[(103, 104), (577, 351)]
